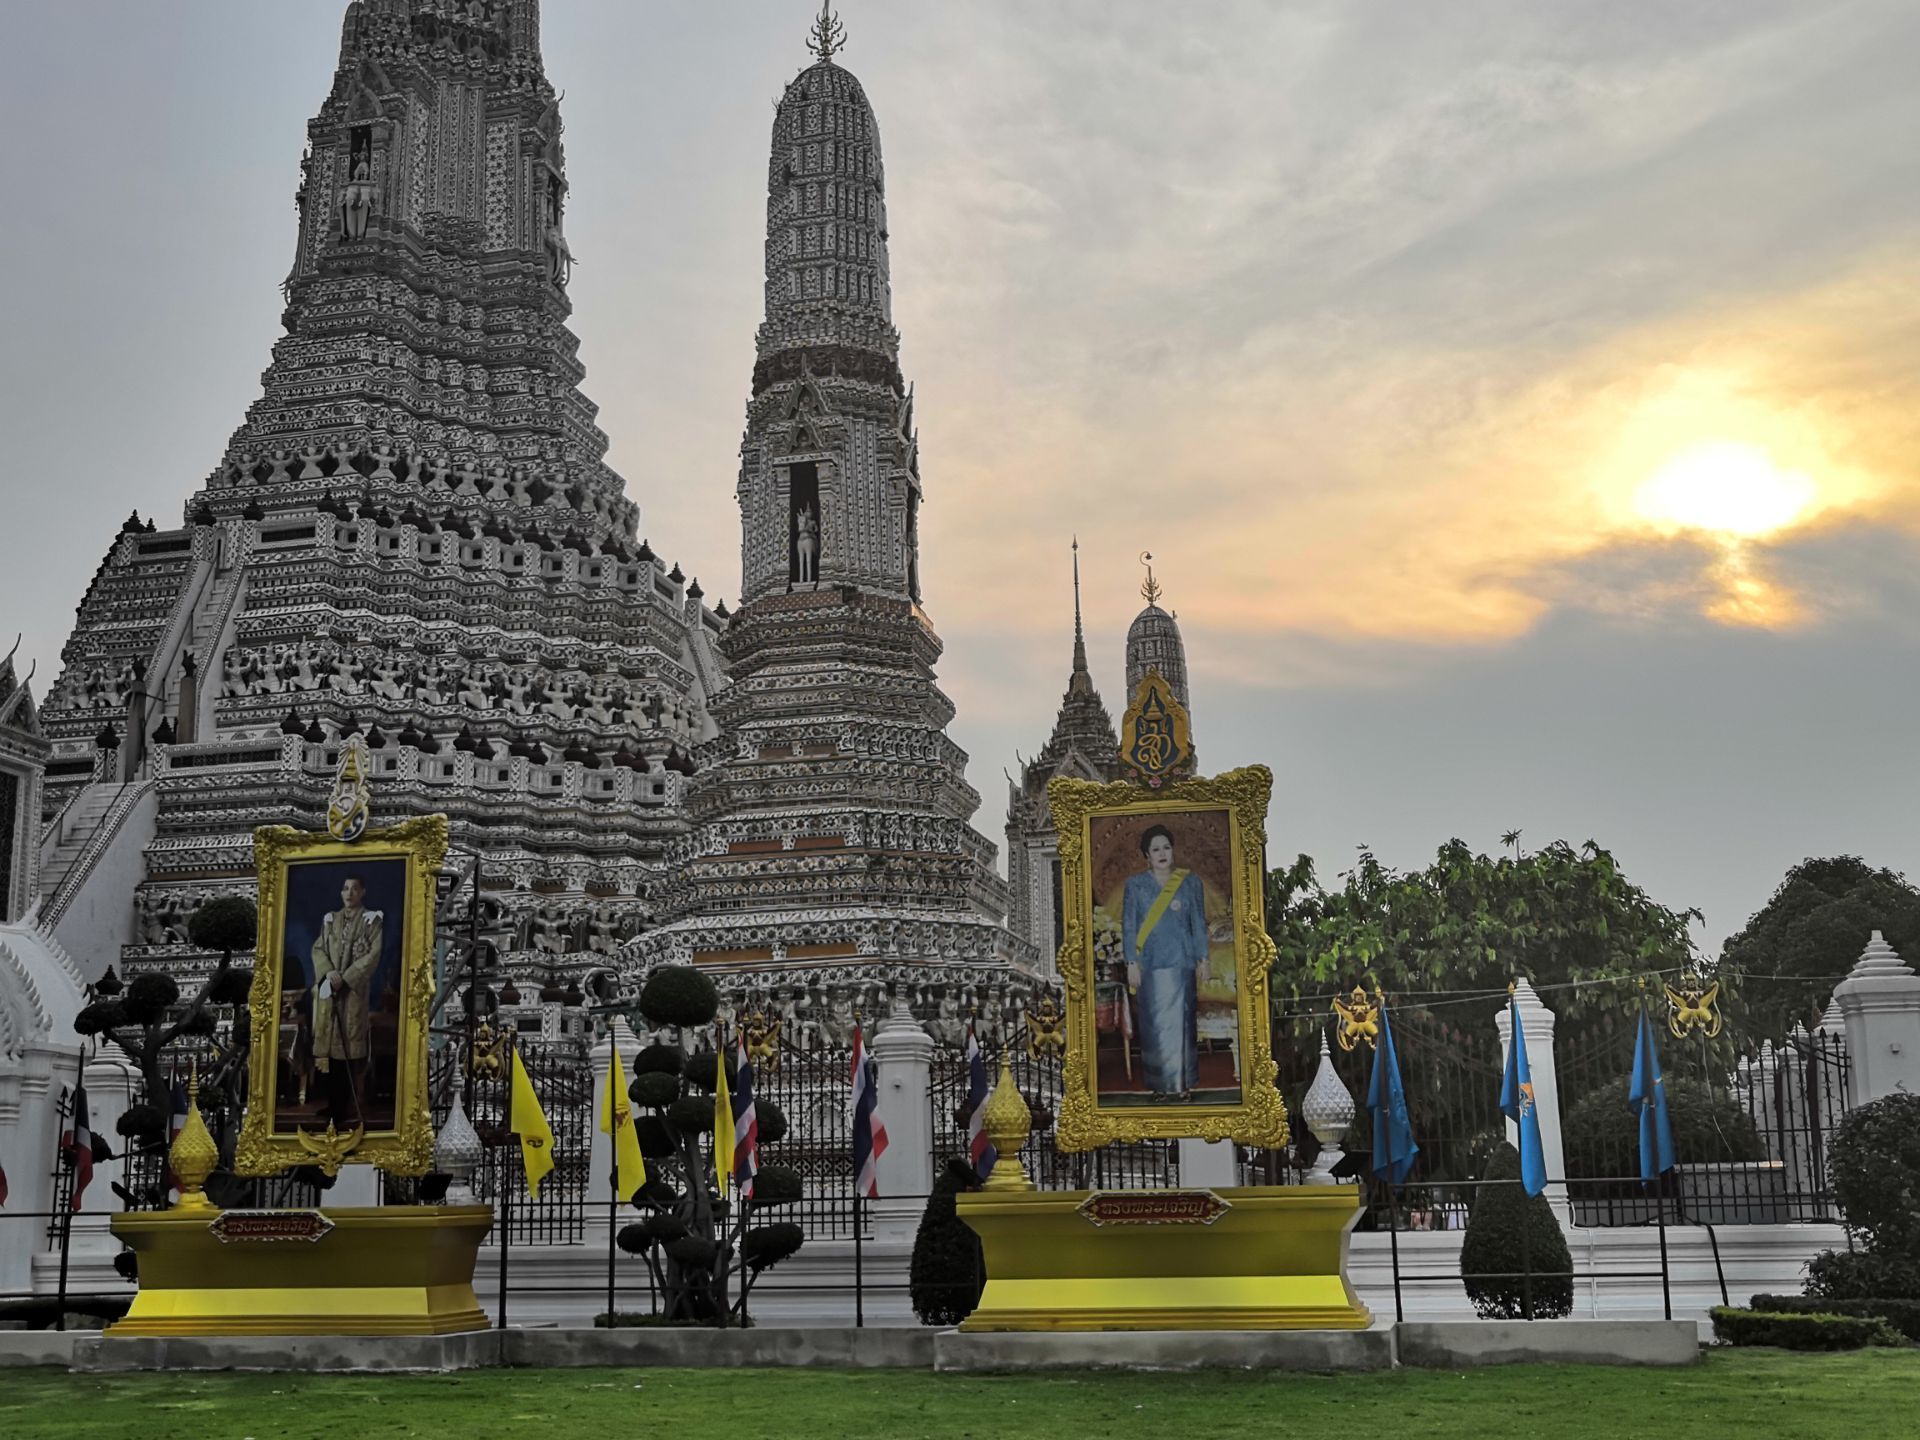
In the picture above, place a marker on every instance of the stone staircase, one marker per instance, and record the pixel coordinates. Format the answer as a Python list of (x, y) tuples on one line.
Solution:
[(82, 818)]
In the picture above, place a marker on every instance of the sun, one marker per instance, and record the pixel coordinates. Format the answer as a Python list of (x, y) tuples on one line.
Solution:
[(1732, 489)]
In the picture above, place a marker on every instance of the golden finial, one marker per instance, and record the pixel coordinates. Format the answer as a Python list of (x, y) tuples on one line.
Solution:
[(1008, 1122), (828, 34), (194, 1155), (1151, 589)]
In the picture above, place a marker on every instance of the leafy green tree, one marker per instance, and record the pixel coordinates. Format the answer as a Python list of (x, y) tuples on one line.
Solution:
[(1470, 922), (1812, 930)]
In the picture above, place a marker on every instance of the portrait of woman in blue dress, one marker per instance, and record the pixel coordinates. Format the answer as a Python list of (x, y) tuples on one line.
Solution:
[(1164, 928)]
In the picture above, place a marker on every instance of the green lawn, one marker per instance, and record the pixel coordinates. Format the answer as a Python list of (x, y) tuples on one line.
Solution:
[(1765, 1393)]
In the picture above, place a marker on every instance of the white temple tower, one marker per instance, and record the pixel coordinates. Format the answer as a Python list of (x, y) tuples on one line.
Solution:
[(832, 851)]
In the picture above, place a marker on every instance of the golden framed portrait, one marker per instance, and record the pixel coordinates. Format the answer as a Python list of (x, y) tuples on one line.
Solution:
[(342, 990), (1164, 960)]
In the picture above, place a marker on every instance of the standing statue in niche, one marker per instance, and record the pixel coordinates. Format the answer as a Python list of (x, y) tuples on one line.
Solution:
[(806, 544), (356, 201)]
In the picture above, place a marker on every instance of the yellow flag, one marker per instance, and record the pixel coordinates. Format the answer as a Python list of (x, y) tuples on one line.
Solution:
[(616, 1119), (530, 1124), (722, 1124)]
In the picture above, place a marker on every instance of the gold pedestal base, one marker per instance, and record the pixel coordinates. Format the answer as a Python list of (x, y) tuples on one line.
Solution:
[(381, 1270), (1275, 1259)]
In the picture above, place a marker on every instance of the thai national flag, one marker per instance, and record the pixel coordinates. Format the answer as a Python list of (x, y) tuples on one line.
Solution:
[(979, 1149), (77, 1144), (746, 1124), (175, 1124), (869, 1135)]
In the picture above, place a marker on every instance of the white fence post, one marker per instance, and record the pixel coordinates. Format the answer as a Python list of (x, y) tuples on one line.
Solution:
[(1880, 1005), (1537, 1021), (903, 1058)]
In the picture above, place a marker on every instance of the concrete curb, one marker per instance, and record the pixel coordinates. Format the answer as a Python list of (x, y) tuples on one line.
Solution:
[(1320, 1350), (1444, 1345), (1460, 1344)]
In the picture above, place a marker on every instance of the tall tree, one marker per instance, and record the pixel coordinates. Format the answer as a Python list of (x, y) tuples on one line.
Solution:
[(1787, 960), (1471, 922)]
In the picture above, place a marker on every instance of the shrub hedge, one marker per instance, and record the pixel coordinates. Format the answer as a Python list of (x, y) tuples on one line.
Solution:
[(1902, 1315), (1492, 1255), (1807, 1331)]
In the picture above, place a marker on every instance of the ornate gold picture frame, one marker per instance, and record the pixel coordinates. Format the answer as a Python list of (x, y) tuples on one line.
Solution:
[(342, 989), (1165, 961)]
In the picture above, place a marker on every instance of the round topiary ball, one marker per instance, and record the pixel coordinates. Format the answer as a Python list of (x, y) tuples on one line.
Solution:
[(201, 1023), (663, 1227), (632, 1239), (764, 1246), (693, 1252), (655, 1142), (231, 988), (656, 1194), (699, 1072), (148, 997), (776, 1185), (771, 1119), (678, 995), (660, 1060), (101, 1017), (692, 1115), (142, 1122), (225, 925), (655, 1090)]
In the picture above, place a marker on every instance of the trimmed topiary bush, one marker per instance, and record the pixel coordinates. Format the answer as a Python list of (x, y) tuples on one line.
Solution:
[(231, 988), (100, 1018), (143, 1122), (148, 997), (772, 1121), (678, 995), (692, 1115), (655, 1142), (777, 1185), (1602, 1134), (947, 1272), (225, 925), (655, 1090), (765, 1246), (1875, 1163), (1812, 1331), (659, 1060), (1510, 1232), (699, 1072)]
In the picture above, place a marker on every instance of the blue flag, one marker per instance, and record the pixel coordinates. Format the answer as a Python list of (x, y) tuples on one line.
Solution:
[(1393, 1144), (1516, 1103), (1647, 1094)]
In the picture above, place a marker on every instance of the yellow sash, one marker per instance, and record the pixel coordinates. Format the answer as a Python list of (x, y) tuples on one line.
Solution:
[(1160, 903)]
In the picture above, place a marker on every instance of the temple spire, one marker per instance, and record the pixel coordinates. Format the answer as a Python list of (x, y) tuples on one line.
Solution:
[(828, 35), (1082, 678)]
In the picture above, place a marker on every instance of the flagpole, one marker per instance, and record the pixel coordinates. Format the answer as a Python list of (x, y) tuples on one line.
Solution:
[(66, 1220), (506, 1178), (1660, 1177), (613, 1161)]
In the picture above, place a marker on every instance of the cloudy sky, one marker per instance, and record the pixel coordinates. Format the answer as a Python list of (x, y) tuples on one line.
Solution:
[(1522, 400)]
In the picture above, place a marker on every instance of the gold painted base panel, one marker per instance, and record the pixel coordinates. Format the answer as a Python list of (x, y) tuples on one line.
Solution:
[(382, 1270), (1276, 1260)]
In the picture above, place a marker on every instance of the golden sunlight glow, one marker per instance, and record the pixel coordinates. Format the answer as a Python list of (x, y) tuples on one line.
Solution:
[(1728, 488)]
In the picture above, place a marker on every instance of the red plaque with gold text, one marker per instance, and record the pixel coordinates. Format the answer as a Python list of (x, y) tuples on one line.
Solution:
[(1153, 1207)]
